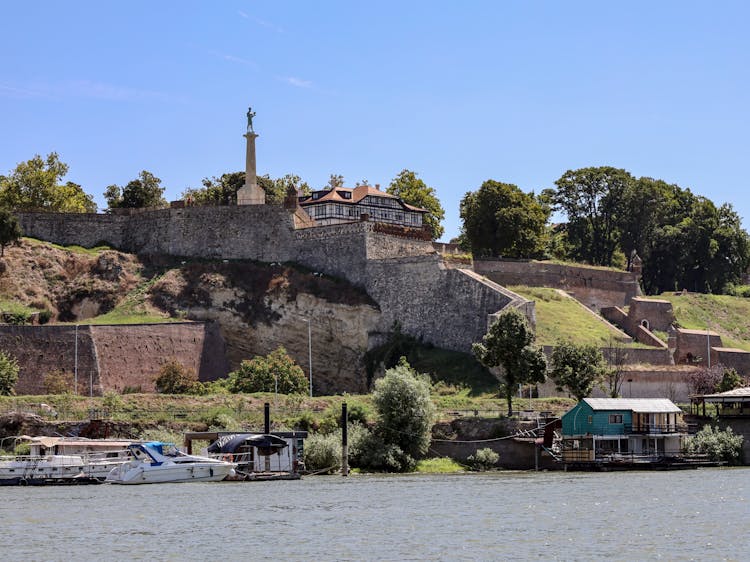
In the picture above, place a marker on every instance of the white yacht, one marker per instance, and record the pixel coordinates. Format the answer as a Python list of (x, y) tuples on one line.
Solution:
[(156, 462)]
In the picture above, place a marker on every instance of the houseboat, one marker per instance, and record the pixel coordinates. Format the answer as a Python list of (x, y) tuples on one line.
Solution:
[(621, 433), (62, 460), (259, 456)]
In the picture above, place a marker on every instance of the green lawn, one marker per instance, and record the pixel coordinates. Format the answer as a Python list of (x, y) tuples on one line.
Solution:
[(74, 249), (725, 315), (560, 317)]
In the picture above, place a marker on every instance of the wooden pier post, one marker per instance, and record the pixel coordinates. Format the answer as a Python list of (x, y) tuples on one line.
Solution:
[(267, 430), (344, 441)]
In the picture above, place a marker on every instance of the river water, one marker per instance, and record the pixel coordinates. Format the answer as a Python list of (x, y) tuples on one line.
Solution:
[(686, 515)]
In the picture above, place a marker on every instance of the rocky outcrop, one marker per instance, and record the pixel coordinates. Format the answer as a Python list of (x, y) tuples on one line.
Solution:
[(260, 308)]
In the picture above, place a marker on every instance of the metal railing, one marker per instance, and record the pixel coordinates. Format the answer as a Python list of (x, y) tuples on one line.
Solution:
[(647, 428)]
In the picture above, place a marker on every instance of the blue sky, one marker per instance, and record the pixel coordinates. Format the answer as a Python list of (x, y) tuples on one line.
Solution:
[(457, 91)]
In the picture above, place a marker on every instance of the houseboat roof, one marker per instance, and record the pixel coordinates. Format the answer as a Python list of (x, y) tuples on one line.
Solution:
[(640, 405), (738, 394)]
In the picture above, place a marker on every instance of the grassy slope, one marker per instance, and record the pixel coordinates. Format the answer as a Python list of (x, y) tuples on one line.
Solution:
[(725, 315), (559, 317)]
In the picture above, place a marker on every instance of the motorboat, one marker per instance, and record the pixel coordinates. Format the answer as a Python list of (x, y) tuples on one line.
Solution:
[(62, 460), (157, 462)]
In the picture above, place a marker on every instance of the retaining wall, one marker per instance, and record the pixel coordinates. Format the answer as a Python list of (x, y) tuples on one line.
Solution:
[(112, 357), (595, 288)]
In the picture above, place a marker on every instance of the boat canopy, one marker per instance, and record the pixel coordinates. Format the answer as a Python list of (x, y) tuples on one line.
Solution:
[(230, 443)]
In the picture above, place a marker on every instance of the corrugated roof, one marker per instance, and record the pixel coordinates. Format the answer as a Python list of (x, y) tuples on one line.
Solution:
[(743, 392), (640, 405)]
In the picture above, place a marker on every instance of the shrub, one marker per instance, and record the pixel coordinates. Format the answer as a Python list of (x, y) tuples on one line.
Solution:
[(174, 378), (323, 452), (717, 444), (402, 400), (8, 374), (483, 459), (263, 374), (58, 382), (112, 401), (45, 316)]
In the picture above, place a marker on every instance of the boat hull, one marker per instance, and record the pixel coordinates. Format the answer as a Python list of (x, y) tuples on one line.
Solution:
[(140, 473)]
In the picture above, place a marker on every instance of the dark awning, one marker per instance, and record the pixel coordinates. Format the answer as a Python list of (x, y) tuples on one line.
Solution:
[(230, 443)]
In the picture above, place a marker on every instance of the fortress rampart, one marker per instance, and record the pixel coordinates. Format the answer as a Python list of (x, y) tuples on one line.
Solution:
[(446, 307), (595, 288)]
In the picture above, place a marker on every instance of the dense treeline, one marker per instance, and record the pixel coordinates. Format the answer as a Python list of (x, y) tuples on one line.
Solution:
[(684, 240)]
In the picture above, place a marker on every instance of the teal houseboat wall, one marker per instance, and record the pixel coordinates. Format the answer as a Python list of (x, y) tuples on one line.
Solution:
[(582, 420)]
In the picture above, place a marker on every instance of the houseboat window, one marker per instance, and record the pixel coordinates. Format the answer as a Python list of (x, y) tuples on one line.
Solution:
[(615, 418)]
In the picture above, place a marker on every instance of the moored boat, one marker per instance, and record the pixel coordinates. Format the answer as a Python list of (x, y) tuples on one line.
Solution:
[(60, 460), (157, 462)]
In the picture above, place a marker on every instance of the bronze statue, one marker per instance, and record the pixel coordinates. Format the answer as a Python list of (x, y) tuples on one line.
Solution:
[(250, 115)]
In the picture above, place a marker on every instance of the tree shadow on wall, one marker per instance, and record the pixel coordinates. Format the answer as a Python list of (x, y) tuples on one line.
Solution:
[(442, 365)]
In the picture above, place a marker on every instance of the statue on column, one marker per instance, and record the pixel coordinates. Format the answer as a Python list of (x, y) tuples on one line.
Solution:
[(250, 115)]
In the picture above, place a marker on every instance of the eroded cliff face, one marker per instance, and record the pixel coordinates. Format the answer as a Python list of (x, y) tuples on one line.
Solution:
[(72, 286), (258, 307), (261, 307)]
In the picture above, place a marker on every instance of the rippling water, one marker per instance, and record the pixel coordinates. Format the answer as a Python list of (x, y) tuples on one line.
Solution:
[(700, 515)]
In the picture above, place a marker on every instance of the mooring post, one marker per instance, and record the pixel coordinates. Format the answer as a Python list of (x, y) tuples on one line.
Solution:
[(344, 441), (267, 430), (266, 418)]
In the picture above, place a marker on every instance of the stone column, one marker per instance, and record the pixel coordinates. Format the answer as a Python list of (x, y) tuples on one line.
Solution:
[(251, 193)]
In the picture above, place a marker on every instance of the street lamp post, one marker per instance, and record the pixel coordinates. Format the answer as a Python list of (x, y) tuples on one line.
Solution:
[(75, 365), (309, 352), (708, 344)]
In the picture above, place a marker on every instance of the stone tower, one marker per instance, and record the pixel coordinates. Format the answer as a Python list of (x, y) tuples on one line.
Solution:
[(251, 193)]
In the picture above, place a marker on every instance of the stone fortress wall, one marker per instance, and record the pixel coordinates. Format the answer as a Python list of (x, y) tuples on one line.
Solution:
[(403, 274), (595, 288)]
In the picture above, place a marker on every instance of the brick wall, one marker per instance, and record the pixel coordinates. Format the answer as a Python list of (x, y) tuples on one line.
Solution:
[(112, 357), (43, 349), (694, 344), (737, 359)]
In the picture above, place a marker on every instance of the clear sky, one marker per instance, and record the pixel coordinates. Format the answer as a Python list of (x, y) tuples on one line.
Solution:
[(457, 91)]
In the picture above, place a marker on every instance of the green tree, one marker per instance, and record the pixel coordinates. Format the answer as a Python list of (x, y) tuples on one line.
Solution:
[(277, 189), (216, 191), (577, 368), (175, 378), (262, 374), (730, 380), (8, 374), (144, 191), (36, 185), (414, 191), (592, 200), (406, 413), (10, 230), (334, 181), (501, 220), (509, 344)]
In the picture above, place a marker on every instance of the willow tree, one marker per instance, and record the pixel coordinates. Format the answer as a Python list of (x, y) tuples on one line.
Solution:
[(509, 344)]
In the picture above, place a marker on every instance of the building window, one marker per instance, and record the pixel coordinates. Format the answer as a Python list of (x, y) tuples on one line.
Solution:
[(615, 418), (591, 419)]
